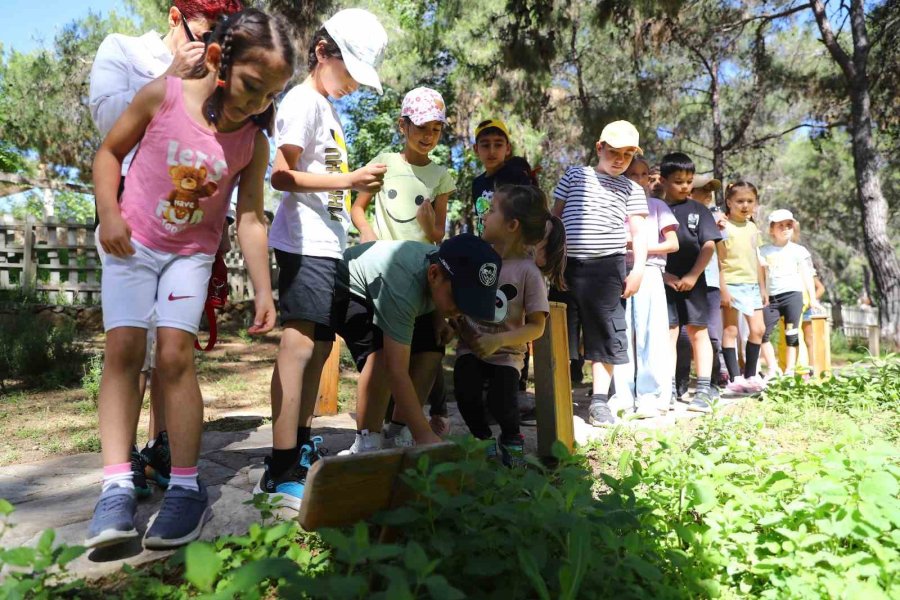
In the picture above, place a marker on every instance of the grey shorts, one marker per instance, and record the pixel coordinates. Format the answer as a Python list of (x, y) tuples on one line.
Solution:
[(306, 291)]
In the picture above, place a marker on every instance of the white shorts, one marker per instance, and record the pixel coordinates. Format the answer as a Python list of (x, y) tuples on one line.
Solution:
[(149, 283)]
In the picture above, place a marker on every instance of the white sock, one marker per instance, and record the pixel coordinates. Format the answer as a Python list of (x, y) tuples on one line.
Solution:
[(185, 477), (120, 479)]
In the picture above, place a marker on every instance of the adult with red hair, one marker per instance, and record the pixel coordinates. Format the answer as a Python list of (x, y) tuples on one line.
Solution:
[(123, 65)]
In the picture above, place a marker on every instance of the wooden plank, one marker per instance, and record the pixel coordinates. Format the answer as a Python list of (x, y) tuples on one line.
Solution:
[(327, 398), (341, 490), (29, 260), (821, 354), (552, 384), (346, 489), (874, 340)]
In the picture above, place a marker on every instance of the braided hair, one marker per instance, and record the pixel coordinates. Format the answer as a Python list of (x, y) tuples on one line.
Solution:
[(238, 35)]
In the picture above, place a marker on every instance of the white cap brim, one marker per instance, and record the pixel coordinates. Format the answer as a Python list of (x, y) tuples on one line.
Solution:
[(361, 72)]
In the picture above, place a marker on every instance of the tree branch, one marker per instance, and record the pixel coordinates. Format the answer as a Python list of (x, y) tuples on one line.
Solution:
[(762, 141), (764, 17), (834, 48), (44, 183)]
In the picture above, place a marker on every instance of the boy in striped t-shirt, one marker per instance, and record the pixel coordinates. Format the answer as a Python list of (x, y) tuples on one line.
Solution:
[(594, 204)]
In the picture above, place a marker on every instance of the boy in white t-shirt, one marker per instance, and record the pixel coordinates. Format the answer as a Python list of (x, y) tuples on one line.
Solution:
[(309, 233)]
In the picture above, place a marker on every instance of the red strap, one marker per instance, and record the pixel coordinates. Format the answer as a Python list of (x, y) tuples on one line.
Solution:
[(213, 332)]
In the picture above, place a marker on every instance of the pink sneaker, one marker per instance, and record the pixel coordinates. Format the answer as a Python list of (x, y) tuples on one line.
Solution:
[(738, 386), (754, 385)]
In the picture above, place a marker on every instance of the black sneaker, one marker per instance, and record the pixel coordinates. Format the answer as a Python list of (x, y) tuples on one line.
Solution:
[(599, 415), (158, 460), (512, 452), (287, 489), (141, 487)]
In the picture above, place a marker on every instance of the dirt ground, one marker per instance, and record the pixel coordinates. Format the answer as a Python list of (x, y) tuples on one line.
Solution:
[(234, 380)]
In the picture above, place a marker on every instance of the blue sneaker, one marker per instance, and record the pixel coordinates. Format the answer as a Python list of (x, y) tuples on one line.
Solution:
[(113, 520), (287, 489), (512, 452), (180, 519)]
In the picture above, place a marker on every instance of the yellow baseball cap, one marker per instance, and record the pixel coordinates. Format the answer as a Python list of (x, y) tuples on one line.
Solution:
[(492, 123), (621, 134)]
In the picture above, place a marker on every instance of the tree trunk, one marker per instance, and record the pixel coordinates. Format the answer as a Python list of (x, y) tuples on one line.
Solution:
[(718, 151), (879, 251)]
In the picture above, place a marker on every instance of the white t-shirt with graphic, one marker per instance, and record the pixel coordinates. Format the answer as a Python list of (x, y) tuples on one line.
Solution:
[(786, 266), (312, 224)]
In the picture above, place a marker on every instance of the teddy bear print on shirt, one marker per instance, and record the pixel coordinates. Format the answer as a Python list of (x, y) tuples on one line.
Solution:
[(182, 206)]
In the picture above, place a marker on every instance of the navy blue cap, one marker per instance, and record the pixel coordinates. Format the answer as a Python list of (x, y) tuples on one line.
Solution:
[(474, 268)]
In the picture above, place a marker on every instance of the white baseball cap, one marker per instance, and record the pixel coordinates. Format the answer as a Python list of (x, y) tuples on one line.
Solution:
[(362, 41), (777, 216), (621, 134)]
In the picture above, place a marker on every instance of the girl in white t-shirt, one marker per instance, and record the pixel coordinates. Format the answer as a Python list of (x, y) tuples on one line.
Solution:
[(789, 277), (309, 233)]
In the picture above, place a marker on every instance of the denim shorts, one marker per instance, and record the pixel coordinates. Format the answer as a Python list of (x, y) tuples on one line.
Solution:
[(745, 297)]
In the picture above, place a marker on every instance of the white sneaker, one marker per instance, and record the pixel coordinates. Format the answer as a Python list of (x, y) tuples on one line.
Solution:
[(404, 439), (367, 441), (649, 406)]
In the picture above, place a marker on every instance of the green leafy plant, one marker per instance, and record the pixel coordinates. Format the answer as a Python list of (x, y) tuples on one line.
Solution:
[(37, 572), (39, 351), (93, 372)]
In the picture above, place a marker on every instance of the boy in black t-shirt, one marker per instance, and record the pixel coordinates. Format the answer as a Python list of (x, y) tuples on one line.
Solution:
[(684, 278), (494, 151)]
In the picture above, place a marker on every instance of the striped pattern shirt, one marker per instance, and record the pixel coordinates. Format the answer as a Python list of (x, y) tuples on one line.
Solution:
[(596, 206)]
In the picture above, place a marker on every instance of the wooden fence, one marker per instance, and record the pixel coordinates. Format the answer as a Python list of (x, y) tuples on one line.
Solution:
[(60, 260)]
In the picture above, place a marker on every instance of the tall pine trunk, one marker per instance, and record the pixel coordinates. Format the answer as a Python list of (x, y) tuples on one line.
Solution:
[(879, 250)]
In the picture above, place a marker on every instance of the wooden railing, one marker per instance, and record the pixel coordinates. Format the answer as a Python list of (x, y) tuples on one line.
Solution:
[(60, 259)]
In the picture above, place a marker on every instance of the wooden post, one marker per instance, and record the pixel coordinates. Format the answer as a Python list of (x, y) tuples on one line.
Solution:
[(553, 384), (326, 401), (821, 358), (29, 259), (874, 340), (782, 349)]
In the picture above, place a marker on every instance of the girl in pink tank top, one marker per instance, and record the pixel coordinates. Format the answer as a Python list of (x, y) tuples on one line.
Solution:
[(197, 138)]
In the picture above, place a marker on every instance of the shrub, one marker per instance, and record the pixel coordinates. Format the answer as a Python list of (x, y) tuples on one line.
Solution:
[(38, 351)]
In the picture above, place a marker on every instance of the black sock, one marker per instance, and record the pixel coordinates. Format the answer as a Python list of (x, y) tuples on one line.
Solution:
[(731, 362), (597, 398), (303, 435), (752, 358), (282, 460)]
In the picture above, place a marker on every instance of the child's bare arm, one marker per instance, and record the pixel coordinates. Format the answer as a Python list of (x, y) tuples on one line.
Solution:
[(251, 230), (558, 207), (689, 280), (286, 179), (115, 235), (434, 228), (486, 345), (358, 216), (667, 246), (396, 362)]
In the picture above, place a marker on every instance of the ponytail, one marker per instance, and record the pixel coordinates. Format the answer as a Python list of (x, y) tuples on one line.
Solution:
[(555, 253), (528, 205)]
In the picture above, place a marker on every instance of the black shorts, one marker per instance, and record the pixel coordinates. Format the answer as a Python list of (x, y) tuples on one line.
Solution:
[(306, 290), (423, 338), (688, 308), (788, 305), (596, 286), (353, 319)]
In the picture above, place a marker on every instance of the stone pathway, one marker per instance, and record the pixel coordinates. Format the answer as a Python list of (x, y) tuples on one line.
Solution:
[(60, 493)]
